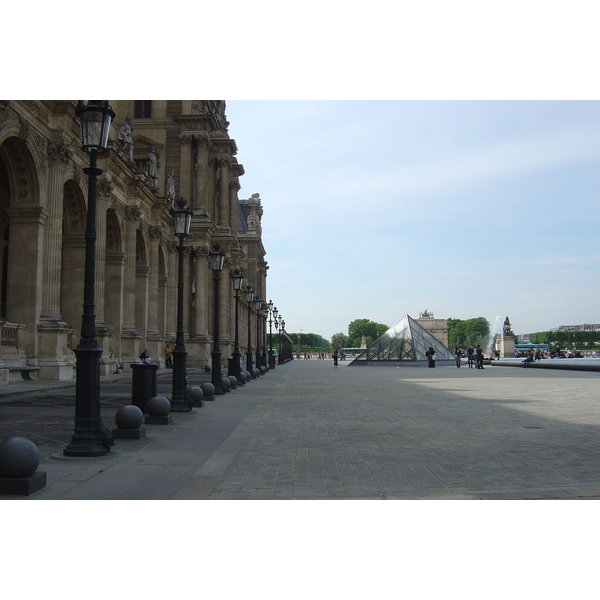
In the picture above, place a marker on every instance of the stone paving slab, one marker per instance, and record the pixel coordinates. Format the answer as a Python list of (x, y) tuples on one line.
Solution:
[(309, 431)]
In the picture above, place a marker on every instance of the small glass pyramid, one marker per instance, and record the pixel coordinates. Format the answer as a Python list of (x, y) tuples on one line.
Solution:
[(404, 341)]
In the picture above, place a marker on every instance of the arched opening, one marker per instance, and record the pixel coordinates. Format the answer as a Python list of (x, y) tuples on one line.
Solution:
[(113, 284)]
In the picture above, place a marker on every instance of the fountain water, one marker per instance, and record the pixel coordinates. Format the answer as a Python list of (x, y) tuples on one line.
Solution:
[(496, 329)]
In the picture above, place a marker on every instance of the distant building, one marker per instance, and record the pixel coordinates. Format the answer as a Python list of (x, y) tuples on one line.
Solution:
[(437, 327)]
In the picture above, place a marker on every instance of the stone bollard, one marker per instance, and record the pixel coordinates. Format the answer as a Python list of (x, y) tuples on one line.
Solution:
[(233, 381), (158, 411), (226, 384), (143, 385), (195, 395), (243, 377), (208, 389), (129, 420), (19, 460)]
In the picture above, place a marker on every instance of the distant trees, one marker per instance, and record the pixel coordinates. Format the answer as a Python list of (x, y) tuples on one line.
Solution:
[(359, 327), (309, 340), (469, 332), (566, 339)]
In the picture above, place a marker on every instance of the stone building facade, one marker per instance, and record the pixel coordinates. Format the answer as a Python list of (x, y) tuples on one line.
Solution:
[(158, 150), (437, 327)]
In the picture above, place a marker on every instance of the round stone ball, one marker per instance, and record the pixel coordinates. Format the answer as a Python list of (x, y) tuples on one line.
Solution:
[(248, 376), (129, 417), (159, 406), (208, 389), (255, 372), (19, 457), (194, 393), (243, 376), (232, 380), (226, 384), (263, 370)]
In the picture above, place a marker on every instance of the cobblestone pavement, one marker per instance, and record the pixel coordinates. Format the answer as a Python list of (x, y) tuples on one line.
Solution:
[(309, 431), (413, 432)]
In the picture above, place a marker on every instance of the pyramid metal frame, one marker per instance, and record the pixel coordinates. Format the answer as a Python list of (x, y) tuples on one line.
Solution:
[(406, 341)]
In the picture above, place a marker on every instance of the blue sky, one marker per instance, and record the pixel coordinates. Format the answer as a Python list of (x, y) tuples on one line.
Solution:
[(435, 156), (376, 209)]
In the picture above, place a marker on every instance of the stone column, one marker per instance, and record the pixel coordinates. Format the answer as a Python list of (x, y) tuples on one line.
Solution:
[(54, 358), (223, 208), (200, 201), (130, 346), (154, 237)]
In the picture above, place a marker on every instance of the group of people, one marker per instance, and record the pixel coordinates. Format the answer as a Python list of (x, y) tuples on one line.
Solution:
[(474, 357)]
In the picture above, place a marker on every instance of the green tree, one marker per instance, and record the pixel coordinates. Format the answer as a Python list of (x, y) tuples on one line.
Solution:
[(370, 329), (469, 332)]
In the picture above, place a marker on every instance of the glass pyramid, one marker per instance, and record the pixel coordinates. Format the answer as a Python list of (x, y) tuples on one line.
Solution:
[(404, 341)]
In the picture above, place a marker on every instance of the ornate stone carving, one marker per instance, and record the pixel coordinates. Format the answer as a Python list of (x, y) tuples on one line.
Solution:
[(36, 109), (198, 107), (155, 232), (105, 188), (133, 213), (24, 181), (59, 153)]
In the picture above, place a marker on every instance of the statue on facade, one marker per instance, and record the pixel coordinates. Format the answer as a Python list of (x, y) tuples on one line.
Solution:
[(126, 139), (152, 167), (426, 315), (170, 188), (507, 328)]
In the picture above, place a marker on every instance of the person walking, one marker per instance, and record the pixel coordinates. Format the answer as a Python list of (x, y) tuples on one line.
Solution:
[(113, 359), (457, 356), (470, 357), (478, 357), (168, 357), (430, 354), (335, 359)]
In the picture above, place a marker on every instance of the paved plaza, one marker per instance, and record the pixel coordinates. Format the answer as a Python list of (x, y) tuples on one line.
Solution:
[(309, 431)]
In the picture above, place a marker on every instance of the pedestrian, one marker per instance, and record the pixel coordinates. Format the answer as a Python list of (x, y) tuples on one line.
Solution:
[(145, 357), (430, 354), (168, 357), (457, 356), (470, 357), (478, 357), (335, 359), (113, 359)]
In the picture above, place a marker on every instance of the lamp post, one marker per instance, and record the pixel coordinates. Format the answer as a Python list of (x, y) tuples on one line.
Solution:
[(236, 279), (281, 326), (264, 313), (272, 316), (249, 297), (182, 219), (257, 306), (217, 257), (91, 437)]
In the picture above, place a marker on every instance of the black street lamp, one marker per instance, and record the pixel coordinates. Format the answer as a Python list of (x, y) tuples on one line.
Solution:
[(249, 298), (272, 315), (257, 304), (236, 279), (91, 437), (182, 219), (281, 328), (217, 258), (265, 313)]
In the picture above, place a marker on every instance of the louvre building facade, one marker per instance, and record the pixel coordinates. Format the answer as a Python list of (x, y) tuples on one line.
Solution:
[(158, 151)]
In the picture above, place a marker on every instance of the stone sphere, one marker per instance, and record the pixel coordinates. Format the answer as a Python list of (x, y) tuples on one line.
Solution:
[(255, 372), (19, 457), (248, 376), (226, 384), (208, 389), (159, 406), (263, 370), (243, 376), (129, 417), (232, 380), (194, 393)]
